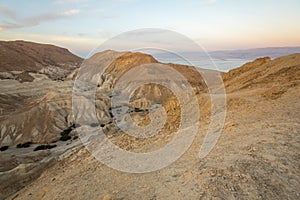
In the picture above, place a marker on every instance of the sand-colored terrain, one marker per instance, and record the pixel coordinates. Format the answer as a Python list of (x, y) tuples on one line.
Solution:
[(256, 157)]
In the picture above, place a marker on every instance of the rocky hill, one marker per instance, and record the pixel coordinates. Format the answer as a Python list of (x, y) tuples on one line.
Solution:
[(256, 157), (282, 72), (39, 112), (21, 60), (28, 56)]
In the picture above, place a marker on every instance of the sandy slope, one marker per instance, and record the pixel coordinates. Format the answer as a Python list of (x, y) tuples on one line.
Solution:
[(256, 157)]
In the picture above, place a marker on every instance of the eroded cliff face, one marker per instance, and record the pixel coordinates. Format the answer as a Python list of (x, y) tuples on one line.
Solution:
[(40, 110)]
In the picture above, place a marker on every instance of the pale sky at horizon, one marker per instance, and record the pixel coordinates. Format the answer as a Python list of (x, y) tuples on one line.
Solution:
[(81, 25)]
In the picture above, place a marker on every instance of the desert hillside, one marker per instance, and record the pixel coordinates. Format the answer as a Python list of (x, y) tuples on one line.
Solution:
[(22, 55), (280, 73), (39, 112), (256, 157), (27, 61)]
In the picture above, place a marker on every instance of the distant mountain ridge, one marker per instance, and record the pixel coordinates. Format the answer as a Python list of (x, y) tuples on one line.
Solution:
[(272, 52), (224, 60), (249, 54)]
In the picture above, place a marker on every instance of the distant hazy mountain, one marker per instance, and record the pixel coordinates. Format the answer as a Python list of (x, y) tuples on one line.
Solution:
[(248, 54), (271, 52), (226, 59)]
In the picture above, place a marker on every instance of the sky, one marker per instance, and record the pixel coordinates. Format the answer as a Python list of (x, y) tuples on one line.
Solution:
[(82, 25)]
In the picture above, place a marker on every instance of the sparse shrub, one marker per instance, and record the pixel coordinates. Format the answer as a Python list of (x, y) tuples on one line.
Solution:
[(65, 133), (44, 147), (65, 137), (75, 137), (3, 148), (94, 124), (137, 110), (68, 130), (24, 145)]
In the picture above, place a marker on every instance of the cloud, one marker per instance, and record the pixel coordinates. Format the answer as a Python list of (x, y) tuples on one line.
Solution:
[(16, 22), (207, 2), (69, 1), (104, 34), (70, 12), (7, 12), (211, 1), (81, 34)]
